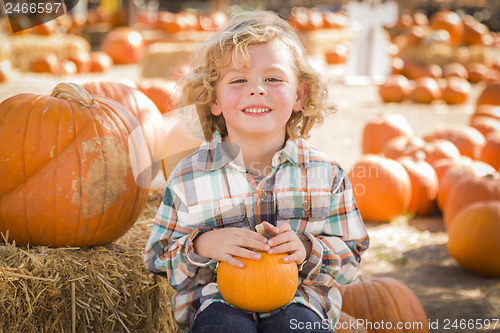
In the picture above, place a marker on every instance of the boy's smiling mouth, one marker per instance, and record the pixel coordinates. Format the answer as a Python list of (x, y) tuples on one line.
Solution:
[(256, 110)]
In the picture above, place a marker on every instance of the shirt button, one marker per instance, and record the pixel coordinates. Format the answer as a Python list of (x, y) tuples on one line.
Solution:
[(218, 215), (306, 206), (263, 195)]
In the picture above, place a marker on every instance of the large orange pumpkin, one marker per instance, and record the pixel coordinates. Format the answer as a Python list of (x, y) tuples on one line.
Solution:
[(65, 175), (384, 300), (473, 238), (381, 129), (146, 113), (124, 45), (469, 190), (424, 184), (261, 286), (381, 186)]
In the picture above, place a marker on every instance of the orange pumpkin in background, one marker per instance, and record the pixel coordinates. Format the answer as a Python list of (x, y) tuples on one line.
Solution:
[(473, 238), (65, 172), (381, 187), (384, 300), (451, 22), (163, 92), (469, 190), (81, 60), (124, 45), (47, 63), (459, 169), (396, 88), (381, 129), (424, 184), (491, 150), (426, 90), (490, 95), (457, 90), (100, 62), (467, 139), (337, 55)]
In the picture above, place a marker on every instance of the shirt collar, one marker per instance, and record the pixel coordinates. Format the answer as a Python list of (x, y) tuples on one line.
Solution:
[(215, 154)]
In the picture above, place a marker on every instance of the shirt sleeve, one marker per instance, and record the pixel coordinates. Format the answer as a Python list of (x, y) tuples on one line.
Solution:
[(169, 250), (336, 253)]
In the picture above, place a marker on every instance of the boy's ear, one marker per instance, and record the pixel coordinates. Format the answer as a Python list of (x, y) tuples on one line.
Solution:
[(214, 108), (302, 90)]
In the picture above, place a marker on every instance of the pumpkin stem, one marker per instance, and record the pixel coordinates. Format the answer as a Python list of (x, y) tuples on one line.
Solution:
[(73, 92), (260, 229)]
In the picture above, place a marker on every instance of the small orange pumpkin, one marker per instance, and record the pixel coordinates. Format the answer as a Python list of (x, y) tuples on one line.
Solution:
[(426, 90), (473, 238), (124, 45), (261, 286), (396, 88), (456, 91), (65, 175)]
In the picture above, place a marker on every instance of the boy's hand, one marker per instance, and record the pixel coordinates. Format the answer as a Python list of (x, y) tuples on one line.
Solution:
[(285, 240), (223, 244)]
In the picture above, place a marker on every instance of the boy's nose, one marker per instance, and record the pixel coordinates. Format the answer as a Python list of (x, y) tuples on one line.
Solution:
[(257, 90)]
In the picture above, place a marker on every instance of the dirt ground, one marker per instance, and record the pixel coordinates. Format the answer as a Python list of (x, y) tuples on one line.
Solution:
[(411, 250)]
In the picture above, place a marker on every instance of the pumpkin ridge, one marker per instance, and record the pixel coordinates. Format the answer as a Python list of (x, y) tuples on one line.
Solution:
[(395, 307), (79, 172), (25, 180)]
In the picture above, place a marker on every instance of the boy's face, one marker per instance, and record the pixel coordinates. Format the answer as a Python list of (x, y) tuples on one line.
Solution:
[(259, 98)]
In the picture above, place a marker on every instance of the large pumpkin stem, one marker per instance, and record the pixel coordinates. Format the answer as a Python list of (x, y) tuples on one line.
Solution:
[(73, 92)]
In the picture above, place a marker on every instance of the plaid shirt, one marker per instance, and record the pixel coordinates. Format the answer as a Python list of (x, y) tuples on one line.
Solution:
[(209, 190)]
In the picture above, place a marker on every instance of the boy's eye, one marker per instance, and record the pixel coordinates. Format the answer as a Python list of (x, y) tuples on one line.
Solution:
[(238, 81), (273, 79)]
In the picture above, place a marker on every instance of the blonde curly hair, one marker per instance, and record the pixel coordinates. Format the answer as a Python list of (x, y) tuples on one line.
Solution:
[(243, 30)]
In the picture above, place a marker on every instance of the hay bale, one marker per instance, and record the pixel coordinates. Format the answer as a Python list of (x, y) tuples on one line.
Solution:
[(164, 59), (96, 289), (23, 49)]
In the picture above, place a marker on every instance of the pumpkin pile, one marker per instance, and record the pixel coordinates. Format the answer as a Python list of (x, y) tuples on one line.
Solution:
[(438, 59), (454, 170)]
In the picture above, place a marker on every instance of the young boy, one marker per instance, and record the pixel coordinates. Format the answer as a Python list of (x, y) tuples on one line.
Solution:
[(257, 98)]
